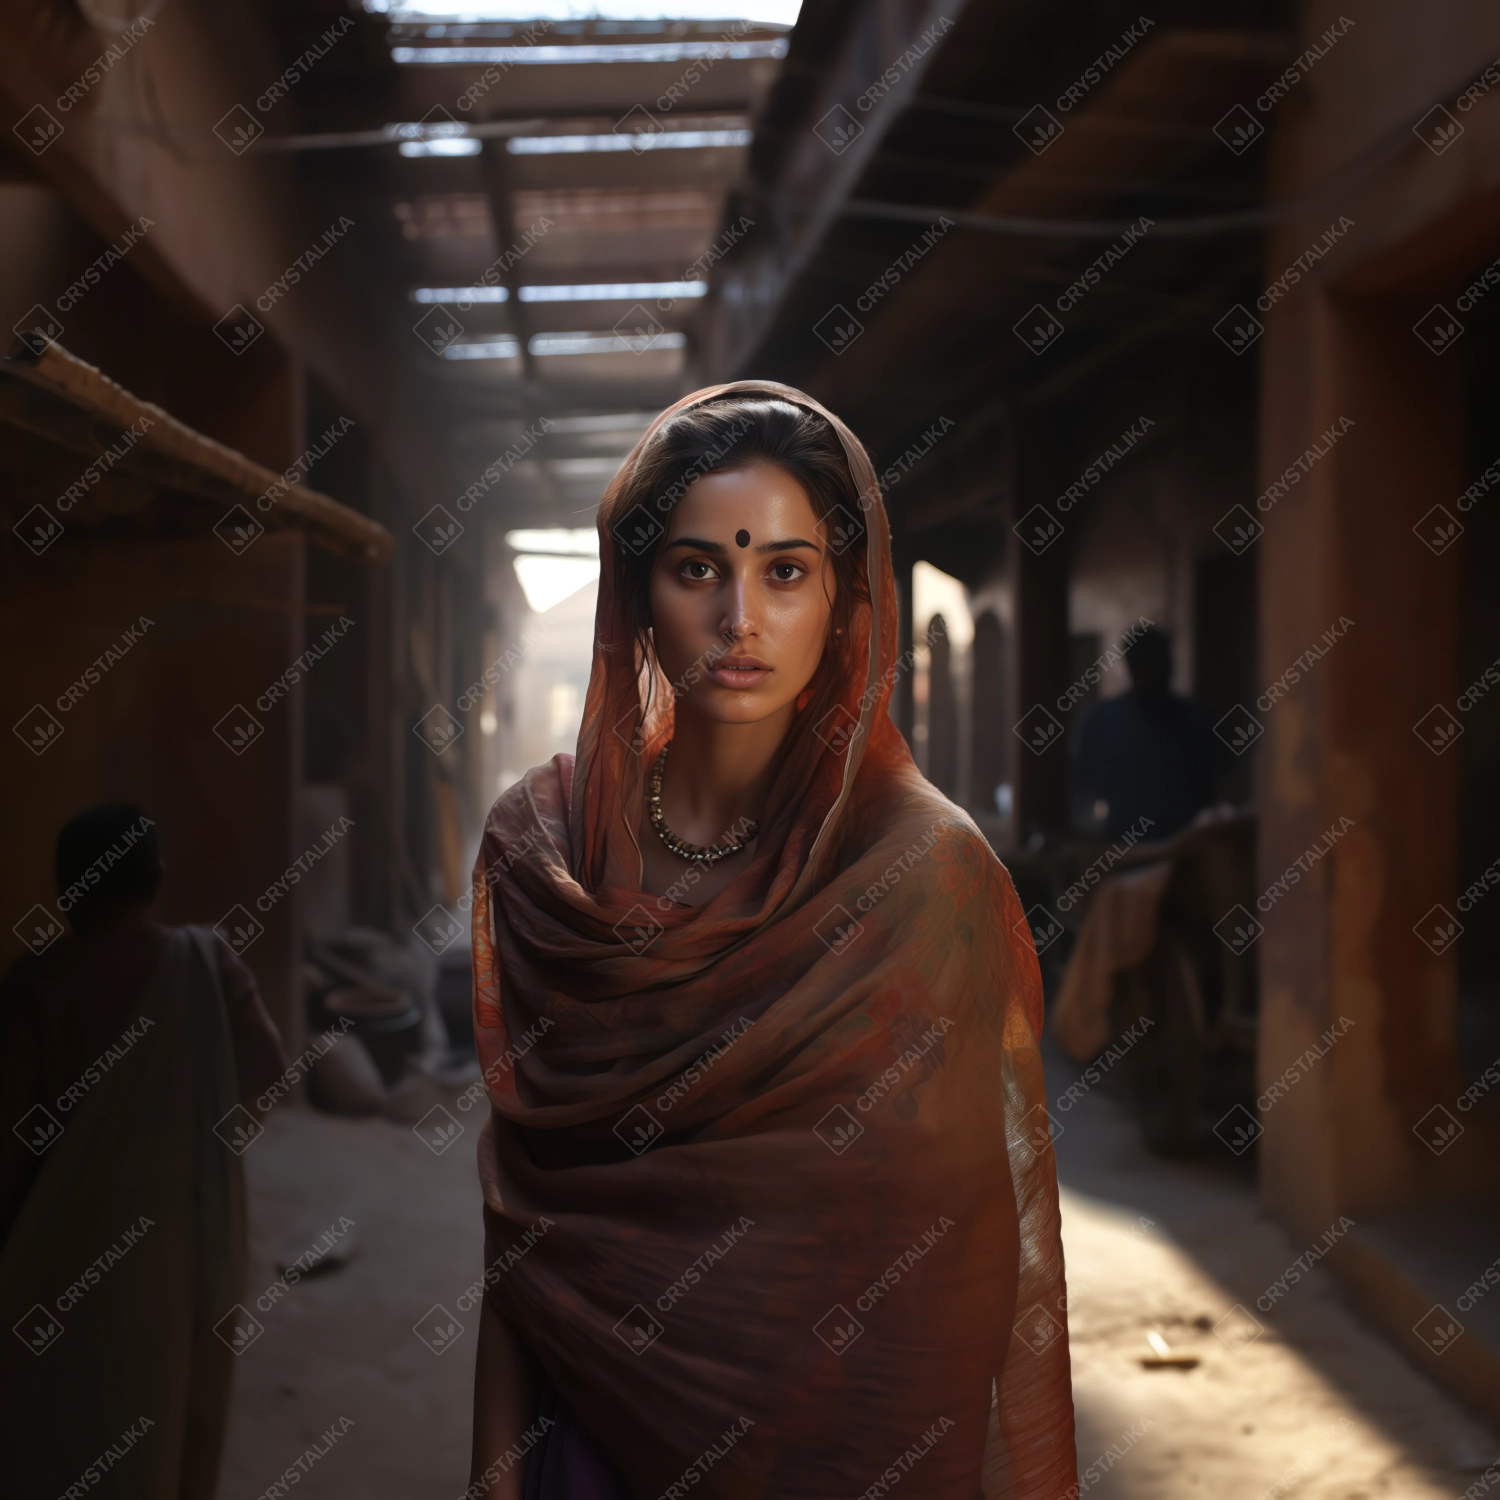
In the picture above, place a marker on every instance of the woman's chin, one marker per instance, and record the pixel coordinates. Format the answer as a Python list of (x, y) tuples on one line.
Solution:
[(721, 705)]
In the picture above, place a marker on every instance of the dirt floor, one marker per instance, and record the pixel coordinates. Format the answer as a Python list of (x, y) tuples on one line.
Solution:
[(358, 1386), (339, 1346), (1316, 1406)]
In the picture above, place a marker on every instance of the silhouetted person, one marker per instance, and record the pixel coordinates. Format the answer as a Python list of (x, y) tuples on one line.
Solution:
[(1148, 753), (122, 1214)]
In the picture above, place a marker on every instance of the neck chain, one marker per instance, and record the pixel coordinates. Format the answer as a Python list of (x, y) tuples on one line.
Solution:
[(679, 847)]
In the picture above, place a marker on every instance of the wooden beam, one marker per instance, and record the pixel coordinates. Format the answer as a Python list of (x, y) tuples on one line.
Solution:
[(815, 180), (1156, 113), (69, 402)]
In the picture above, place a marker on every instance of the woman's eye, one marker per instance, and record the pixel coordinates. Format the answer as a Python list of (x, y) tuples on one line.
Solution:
[(786, 572), (696, 570)]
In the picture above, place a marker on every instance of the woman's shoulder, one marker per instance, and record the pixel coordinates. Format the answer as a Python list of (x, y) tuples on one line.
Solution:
[(547, 784), (531, 809), (909, 812)]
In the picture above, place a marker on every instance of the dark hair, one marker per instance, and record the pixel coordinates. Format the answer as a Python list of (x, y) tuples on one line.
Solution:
[(721, 436), (1151, 648), (107, 856)]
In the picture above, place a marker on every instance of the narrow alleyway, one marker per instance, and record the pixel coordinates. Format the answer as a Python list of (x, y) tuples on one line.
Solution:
[(341, 1389), (335, 334)]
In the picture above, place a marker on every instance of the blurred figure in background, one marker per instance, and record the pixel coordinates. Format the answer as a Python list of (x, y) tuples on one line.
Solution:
[(1148, 753), (122, 1212)]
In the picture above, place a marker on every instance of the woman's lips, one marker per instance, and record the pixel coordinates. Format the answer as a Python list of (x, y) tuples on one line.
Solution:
[(745, 672)]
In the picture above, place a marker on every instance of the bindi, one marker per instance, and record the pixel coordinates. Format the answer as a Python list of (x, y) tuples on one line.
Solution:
[(742, 538)]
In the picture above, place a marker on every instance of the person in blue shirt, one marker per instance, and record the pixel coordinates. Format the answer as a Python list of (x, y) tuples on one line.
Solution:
[(1149, 752)]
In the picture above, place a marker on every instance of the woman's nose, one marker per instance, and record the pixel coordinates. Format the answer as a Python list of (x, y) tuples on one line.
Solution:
[(737, 621)]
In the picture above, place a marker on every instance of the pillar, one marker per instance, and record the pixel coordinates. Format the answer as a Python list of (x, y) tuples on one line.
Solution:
[(1039, 575), (1343, 945)]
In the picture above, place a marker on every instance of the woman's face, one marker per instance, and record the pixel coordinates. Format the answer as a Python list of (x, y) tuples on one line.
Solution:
[(741, 595)]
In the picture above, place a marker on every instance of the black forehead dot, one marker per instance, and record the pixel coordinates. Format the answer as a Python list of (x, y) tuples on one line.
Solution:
[(742, 538)]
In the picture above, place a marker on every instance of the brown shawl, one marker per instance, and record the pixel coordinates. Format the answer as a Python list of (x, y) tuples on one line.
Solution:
[(768, 1183)]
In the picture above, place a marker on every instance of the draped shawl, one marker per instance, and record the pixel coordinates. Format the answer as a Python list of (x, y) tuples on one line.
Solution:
[(768, 1183), (128, 1249)]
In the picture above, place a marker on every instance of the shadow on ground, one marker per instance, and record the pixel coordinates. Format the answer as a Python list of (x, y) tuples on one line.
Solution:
[(1293, 1393)]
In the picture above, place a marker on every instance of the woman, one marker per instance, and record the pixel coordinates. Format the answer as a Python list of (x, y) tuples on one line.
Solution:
[(768, 1209)]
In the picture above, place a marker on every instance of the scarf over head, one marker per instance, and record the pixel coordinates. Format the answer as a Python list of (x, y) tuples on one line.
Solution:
[(768, 1182)]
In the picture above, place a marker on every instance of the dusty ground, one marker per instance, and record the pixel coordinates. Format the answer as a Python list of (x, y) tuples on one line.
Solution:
[(1317, 1406), (341, 1344), (342, 1391)]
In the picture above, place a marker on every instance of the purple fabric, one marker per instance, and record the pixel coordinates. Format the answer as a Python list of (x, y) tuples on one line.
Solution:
[(565, 1465)]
